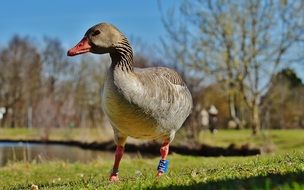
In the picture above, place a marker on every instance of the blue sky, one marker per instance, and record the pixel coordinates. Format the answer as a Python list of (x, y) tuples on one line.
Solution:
[(69, 19)]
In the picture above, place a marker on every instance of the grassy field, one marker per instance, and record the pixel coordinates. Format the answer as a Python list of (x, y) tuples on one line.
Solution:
[(278, 140), (283, 169), (61, 134)]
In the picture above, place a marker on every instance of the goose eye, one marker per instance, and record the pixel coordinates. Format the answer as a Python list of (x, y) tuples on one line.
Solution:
[(96, 32)]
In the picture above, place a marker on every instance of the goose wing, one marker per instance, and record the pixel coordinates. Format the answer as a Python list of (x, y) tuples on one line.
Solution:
[(164, 95)]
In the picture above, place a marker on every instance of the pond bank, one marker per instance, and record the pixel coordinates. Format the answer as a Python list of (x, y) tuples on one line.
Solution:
[(152, 148)]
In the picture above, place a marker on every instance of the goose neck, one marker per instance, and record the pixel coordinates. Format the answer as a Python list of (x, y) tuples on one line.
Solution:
[(122, 57)]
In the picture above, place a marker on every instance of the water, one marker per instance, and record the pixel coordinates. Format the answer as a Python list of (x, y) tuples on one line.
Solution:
[(10, 152)]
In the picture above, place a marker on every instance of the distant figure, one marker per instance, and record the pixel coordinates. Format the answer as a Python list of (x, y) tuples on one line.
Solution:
[(2, 112), (205, 118), (213, 112)]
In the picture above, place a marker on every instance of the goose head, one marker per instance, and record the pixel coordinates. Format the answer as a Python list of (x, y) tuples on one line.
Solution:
[(100, 39)]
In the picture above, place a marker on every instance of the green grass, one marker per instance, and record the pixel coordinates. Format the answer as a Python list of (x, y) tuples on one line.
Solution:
[(61, 134), (283, 171), (279, 140)]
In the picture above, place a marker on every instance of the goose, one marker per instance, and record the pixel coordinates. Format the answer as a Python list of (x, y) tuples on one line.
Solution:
[(144, 103)]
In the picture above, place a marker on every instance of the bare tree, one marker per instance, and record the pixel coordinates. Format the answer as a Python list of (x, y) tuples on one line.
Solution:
[(20, 80), (45, 90), (55, 64), (241, 44), (88, 87)]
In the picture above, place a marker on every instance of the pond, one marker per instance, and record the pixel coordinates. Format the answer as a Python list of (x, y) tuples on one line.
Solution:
[(11, 151)]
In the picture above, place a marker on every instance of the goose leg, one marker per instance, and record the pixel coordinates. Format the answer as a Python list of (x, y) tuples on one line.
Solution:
[(163, 163), (118, 155)]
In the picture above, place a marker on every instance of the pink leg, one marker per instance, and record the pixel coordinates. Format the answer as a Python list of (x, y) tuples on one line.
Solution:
[(164, 150), (118, 155)]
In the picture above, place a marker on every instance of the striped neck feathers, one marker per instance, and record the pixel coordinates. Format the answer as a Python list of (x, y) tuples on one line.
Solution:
[(122, 57)]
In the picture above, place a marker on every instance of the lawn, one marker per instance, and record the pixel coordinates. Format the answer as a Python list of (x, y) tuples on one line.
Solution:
[(60, 134), (278, 140), (283, 169)]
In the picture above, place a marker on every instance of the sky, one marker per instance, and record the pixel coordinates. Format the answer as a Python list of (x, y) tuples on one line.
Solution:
[(68, 20)]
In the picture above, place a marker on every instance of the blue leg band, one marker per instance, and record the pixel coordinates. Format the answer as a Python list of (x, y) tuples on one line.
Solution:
[(163, 166)]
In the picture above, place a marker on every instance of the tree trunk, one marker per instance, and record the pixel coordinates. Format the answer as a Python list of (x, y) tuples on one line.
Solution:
[(256, 123), (233, 109), (193, 126)]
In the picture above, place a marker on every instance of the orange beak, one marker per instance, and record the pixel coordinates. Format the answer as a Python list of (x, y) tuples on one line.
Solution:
[(82, 47)]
